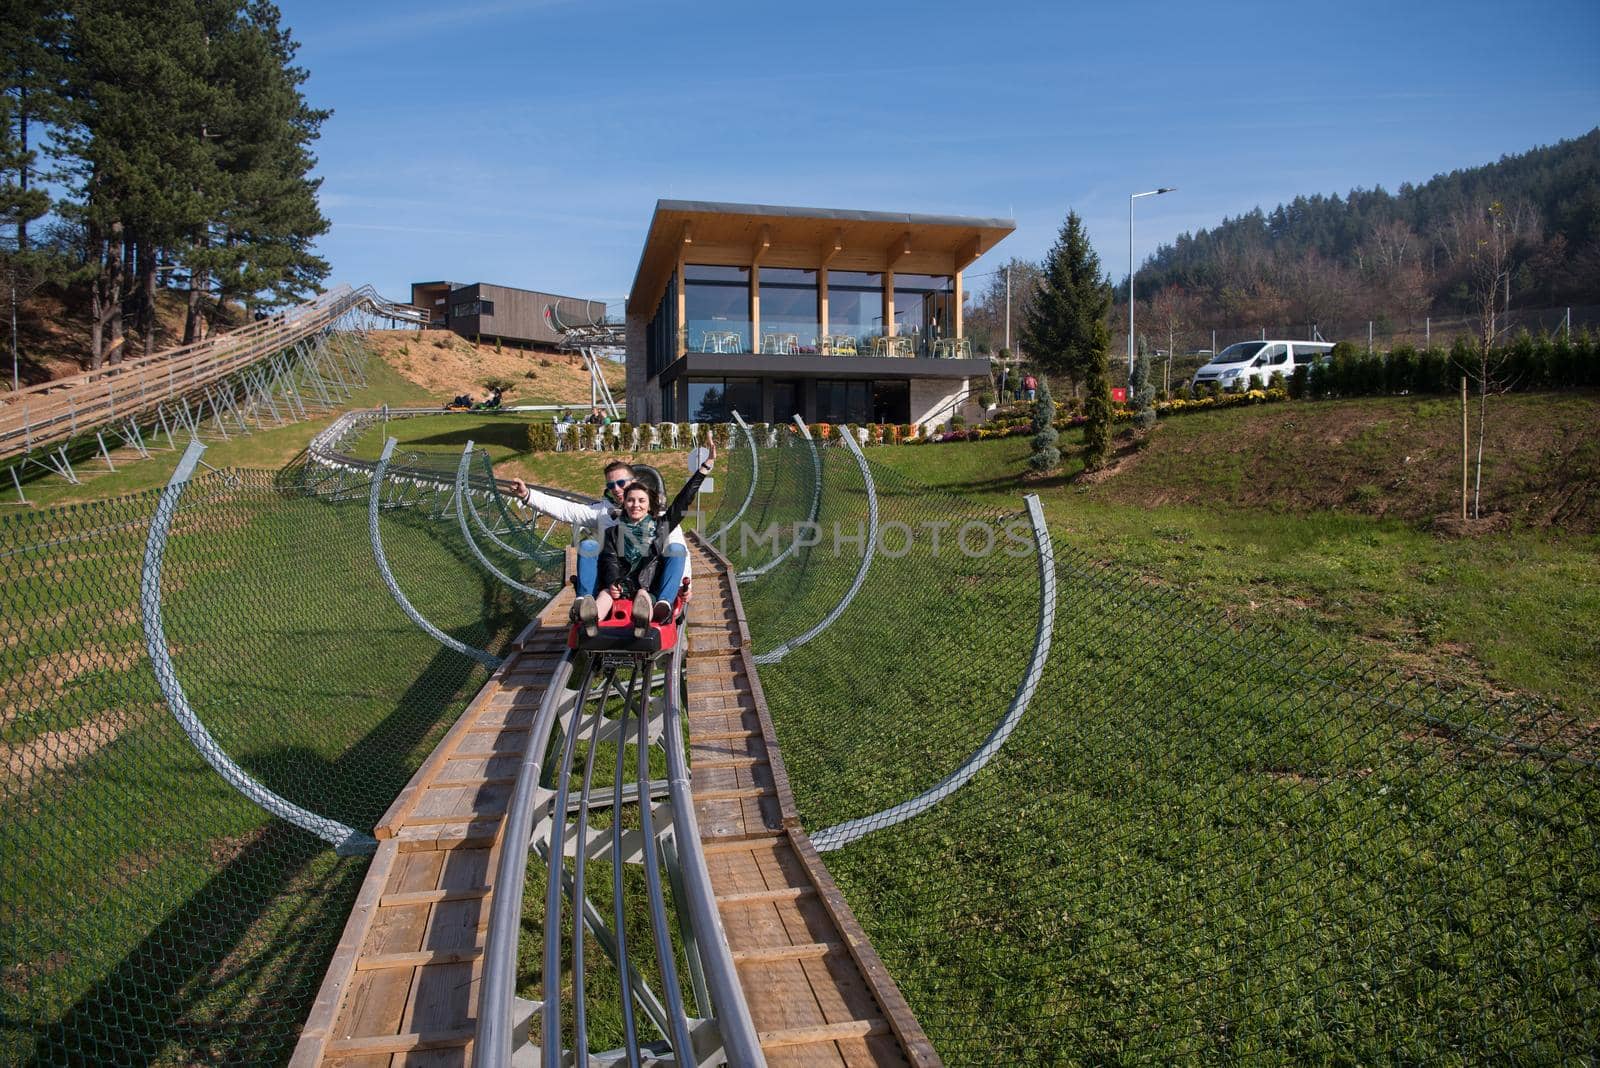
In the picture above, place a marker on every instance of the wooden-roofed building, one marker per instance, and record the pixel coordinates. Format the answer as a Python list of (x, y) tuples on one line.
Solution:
[(837, 316)]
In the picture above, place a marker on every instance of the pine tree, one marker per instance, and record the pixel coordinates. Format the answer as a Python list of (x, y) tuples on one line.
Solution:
[(1097, 412), (188, 140), (1143, 391), (1045, 453), (32, 74), (261, 243), (1065, 329), (134, 141)]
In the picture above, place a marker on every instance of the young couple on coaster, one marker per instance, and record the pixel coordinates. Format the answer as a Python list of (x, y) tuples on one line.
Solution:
[(638, 551)]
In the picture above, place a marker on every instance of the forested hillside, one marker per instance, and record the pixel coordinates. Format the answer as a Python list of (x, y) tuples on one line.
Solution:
[(1402, 267), (1401, 254)]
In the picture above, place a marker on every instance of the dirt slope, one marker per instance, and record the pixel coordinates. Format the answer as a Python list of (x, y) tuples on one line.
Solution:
[(445, 364), (53, 329)]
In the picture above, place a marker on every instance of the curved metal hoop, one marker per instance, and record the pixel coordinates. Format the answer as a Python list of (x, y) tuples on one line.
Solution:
[(501, 544), (844, 833), (755, 471), (346, 841), (495, 539), (462, 495), (480, 655), (774, 655), (816, 507)]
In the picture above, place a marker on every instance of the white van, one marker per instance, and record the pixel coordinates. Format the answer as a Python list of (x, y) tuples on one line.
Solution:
[(1251, 364)]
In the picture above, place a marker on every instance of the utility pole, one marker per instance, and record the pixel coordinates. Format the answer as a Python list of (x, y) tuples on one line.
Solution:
[(1132, 267), (1008, 307)]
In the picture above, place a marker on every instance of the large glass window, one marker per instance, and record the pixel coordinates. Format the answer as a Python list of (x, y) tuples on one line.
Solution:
[(855, 304), (706, 402), (786, 397), (891, 401), (743, 396), (842, 400), (471, 308), (714, 400), (661, 337), (788, 310), (924, 308), (716, 308)]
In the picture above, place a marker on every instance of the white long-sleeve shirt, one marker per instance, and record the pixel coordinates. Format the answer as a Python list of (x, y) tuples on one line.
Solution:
[(599, 516)]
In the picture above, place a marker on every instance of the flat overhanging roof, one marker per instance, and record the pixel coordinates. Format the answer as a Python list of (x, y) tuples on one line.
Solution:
[(768, 235)]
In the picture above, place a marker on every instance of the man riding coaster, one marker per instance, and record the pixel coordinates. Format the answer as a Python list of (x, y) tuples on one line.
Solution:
[(637, 552)]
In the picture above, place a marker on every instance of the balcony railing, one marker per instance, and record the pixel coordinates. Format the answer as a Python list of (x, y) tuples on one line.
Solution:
[(784, 337)]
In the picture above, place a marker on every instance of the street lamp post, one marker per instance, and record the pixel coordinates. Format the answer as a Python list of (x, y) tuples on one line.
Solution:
[(1131, 198)]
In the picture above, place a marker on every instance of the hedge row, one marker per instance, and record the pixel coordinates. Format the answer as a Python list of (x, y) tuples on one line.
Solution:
[(542, 437), (1067, 421), (1528, 363)]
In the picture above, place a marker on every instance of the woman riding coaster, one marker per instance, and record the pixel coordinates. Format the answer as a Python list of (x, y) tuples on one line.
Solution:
[(599, 515), (636, 557)]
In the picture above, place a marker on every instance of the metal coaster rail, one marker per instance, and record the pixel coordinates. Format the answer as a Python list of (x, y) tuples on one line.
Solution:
[(239, 373), (548, 814)]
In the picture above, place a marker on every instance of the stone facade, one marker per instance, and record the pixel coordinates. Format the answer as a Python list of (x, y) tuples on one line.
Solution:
[(936, 400)]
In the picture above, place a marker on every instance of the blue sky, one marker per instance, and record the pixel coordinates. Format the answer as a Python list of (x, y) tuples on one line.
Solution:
[(525, 143)]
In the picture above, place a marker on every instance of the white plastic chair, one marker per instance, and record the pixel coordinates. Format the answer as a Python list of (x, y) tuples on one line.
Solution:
[(633, 440), (672, 435), (655, 436)]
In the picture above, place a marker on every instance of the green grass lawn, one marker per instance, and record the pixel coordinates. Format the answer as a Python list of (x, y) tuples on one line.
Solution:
[(1515, 611), (1205, 840), (153, 914), (1234, 825)]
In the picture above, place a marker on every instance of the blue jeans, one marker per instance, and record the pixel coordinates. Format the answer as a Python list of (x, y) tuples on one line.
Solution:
[(669, 575)]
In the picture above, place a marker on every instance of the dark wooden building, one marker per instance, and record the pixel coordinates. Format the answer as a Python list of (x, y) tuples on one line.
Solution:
[(514, 316)]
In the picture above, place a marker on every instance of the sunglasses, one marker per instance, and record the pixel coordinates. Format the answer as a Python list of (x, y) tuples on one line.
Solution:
[(618, 483)]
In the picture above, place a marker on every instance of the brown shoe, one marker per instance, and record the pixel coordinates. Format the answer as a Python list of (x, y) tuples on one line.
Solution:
[(586, 615), (642, 604)]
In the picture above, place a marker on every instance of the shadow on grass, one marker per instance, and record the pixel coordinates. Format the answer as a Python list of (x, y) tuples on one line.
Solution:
[(229, 975), (506, 433)]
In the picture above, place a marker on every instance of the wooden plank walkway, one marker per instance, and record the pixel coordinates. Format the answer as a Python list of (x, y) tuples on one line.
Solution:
[(817, 990), (403, 985)]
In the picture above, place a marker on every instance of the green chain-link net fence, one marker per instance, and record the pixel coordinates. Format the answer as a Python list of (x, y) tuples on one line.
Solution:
[(152, 914), (1204, 841), (1199, 841)]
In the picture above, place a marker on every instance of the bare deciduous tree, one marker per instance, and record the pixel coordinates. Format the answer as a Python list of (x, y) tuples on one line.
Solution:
[(1172, 314), (1486, 245), (985, 319), (1315, 288)]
